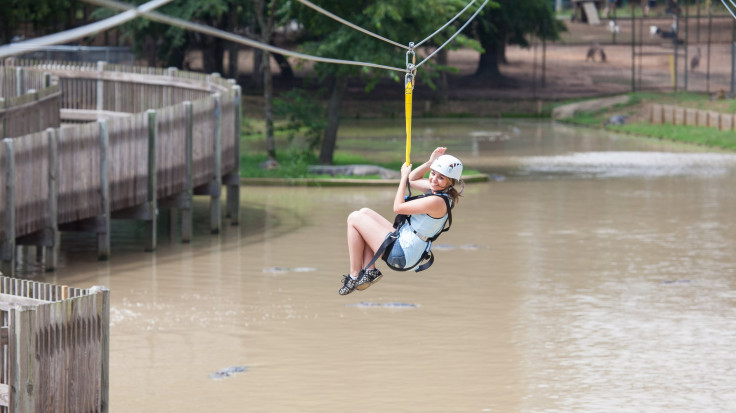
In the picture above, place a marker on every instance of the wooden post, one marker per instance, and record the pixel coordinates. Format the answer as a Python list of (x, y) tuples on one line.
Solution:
[(186, 213), (4, 119), (152, 182), (215, 208), (20, 75), (103, 314), (233, 189), (168, 90), (103, 236), (100, 87), (7, 248), (23, 387), (52, 251)]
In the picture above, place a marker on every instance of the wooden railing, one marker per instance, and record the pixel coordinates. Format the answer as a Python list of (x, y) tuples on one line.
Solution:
[(55, 345), (181, 139), (27, 110), (678, 115)]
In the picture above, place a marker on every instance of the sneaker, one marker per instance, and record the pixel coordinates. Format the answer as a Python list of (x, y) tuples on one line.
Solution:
[(348, 285), (368, 278)]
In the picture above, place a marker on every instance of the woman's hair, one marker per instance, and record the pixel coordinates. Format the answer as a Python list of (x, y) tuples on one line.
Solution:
[(452, 192)]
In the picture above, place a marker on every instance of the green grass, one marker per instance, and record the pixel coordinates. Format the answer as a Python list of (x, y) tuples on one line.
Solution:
[(681, 133), (296, 165)]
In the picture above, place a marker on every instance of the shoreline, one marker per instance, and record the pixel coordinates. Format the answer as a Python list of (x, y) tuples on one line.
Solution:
[(332, 182)]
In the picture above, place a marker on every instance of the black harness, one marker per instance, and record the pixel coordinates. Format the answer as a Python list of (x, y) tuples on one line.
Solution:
[(427, 257)]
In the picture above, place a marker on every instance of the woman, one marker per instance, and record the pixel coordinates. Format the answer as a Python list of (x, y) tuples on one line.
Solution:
[(367, 230)]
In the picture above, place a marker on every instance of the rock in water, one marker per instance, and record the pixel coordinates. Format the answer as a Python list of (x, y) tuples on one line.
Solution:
[(227, 372), (616, 120)]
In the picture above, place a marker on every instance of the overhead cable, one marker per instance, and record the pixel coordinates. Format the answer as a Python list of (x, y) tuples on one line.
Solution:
[(173, 21), (31, 45), (446, 24), (728, 8), (351, 25), (453, 36)]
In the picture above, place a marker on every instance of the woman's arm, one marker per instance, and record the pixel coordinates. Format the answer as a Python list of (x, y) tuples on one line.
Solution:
[(432, 205), (416, 177)]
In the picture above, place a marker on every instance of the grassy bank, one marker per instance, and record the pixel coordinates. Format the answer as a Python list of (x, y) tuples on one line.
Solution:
[(637, 123), (294, 159)]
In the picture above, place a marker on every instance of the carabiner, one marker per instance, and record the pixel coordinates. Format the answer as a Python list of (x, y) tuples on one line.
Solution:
[(413, 57)]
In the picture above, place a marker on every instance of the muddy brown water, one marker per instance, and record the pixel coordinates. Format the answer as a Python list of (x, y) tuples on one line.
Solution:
[(593, 273)]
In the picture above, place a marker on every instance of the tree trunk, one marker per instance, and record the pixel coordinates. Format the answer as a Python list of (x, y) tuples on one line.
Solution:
[(232, 47), (268, 105), (212, 55), (257, 69), (442, 84), (488, 65), (339, 85), (284, 66), (232, 56), (494, 53)]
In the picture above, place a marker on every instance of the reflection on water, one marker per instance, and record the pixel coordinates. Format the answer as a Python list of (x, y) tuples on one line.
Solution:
[(598, 277)]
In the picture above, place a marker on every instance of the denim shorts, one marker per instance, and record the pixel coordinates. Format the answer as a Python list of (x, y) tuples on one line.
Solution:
[(396, 256)]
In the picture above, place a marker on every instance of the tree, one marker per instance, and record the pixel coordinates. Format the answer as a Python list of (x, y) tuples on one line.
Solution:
[(397, 20), (266, 14), (46, 16), (511, 23)]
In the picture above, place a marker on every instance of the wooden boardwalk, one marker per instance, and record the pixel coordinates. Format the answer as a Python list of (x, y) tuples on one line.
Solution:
[(127, 143)]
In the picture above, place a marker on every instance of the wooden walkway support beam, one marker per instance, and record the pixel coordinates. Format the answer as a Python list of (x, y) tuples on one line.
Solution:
[(7, 247), (150, 220), (232, 180), (103, 236)]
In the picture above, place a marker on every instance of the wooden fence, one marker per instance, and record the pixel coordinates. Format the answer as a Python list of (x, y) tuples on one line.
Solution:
[(55, 348), (678, 115), (27, 103), (126, 165)]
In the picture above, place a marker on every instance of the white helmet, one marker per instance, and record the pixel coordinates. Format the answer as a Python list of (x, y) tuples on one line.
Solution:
[(448, 166)]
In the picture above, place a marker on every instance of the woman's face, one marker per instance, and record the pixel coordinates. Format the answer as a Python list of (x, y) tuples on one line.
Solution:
[(437, 181)]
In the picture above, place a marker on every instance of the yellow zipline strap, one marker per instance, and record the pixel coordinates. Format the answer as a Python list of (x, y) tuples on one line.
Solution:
[(408, 90), (409, 86)]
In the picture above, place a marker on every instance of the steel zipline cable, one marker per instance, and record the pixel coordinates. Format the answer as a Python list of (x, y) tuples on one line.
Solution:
[(453, 36), (131, 12), (173, 21), (358, 28), (31, 45), (729, 8), (351, 25), (411, 46)]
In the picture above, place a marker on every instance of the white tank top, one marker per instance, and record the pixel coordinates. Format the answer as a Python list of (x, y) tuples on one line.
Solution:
[(425, 225)]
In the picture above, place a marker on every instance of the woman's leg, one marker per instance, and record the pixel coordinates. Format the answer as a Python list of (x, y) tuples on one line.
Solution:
[(369, 252), (366, 231)]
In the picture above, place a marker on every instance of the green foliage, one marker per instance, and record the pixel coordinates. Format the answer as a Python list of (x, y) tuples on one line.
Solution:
[(46, 16), (305, 117)]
